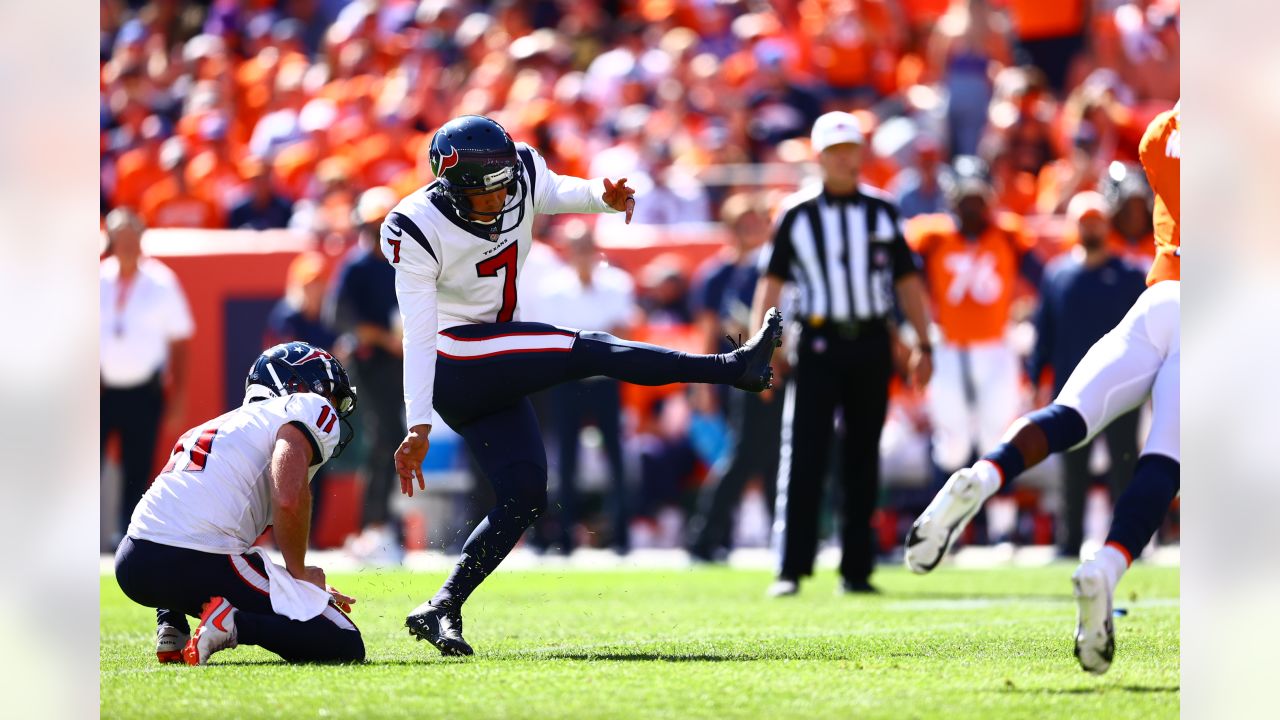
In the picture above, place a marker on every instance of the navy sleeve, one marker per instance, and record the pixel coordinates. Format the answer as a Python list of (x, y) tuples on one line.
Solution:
[(1137, 284), (700, 292), (344, 312), (1031, 268), (365, 304), (1044, 322)]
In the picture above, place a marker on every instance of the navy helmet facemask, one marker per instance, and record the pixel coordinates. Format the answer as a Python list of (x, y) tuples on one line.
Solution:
[(294, 367), (473, 155)]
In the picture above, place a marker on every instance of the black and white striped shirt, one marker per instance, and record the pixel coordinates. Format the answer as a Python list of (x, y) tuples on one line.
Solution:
[(843, 254)]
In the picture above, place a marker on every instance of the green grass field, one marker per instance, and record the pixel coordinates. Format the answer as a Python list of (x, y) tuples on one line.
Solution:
[(701, 643)]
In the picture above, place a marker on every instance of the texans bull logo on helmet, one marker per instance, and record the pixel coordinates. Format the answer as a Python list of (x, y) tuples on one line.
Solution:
[(314, 354), (443, 162)]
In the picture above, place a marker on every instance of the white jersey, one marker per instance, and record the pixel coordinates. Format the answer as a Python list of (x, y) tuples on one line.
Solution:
[(215, 493), (447, 275)]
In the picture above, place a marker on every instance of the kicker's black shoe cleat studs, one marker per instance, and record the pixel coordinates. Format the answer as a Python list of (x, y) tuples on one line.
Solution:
[(442, 628)]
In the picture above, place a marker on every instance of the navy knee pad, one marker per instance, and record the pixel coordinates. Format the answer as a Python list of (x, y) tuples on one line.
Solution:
[(1062, 426), (1063, 429)]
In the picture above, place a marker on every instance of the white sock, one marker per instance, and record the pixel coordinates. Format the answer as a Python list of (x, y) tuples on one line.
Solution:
[(989, 475), (1112, 562)]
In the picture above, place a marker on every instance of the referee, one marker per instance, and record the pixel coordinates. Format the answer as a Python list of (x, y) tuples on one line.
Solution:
[(842, 246)]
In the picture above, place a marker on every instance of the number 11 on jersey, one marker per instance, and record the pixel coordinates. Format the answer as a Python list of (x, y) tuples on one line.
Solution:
[(505, 260)]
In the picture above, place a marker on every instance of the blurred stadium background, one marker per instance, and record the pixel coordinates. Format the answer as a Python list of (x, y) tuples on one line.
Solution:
[(244, 132)]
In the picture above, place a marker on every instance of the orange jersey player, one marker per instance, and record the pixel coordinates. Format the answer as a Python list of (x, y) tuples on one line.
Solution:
[(972, 262), (1161, 154), (971, 279)]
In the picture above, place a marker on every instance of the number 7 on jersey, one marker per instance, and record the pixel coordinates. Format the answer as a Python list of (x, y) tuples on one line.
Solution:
[(505, 260)]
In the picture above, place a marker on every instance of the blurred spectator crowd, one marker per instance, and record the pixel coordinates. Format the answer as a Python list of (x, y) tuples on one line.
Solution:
[(274, 113), (259, 114)]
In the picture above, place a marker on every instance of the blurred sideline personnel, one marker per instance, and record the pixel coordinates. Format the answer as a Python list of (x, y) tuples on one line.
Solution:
[(1139, 358), (458, 247), (300, 313), (1085, 293), (189, 549), (1132, 234), (365, 306), (588, 293), (262, 208), (842, 244), (144, 328), (723, 291), (972, 258)]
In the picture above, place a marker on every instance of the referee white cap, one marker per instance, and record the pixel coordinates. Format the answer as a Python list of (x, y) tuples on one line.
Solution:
[(835, 128)]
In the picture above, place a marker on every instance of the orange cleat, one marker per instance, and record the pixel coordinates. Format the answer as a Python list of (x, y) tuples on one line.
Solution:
[(217, 631)]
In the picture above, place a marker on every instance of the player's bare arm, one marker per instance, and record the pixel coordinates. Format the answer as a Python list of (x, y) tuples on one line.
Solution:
[(915, 304), (291, 502), (409, 458)]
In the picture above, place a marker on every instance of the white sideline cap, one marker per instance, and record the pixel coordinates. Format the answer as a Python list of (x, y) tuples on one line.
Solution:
[(834, 128)]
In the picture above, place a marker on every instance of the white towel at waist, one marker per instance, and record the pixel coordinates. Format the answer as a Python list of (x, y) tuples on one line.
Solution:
[(293, 598)]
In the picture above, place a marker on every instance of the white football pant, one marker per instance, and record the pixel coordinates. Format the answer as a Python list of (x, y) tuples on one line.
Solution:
[(972, 398), (1140, 357)]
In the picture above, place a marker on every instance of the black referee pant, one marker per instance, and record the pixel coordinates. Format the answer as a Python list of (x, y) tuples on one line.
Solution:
[(134, 414), (845, 367)]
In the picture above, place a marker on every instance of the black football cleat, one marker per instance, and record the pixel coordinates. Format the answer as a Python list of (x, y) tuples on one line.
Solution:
[(758, 352), (440, 627), (859, 587)]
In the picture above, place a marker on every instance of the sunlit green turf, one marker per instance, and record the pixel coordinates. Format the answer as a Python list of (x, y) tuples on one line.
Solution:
[(699, 643)]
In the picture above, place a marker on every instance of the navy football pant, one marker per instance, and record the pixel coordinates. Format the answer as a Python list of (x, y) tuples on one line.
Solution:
[(163, 576), (484, 374), (481, 369)]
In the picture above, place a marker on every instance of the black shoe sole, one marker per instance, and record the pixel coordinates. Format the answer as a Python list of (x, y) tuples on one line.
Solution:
[(1108, 650)]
